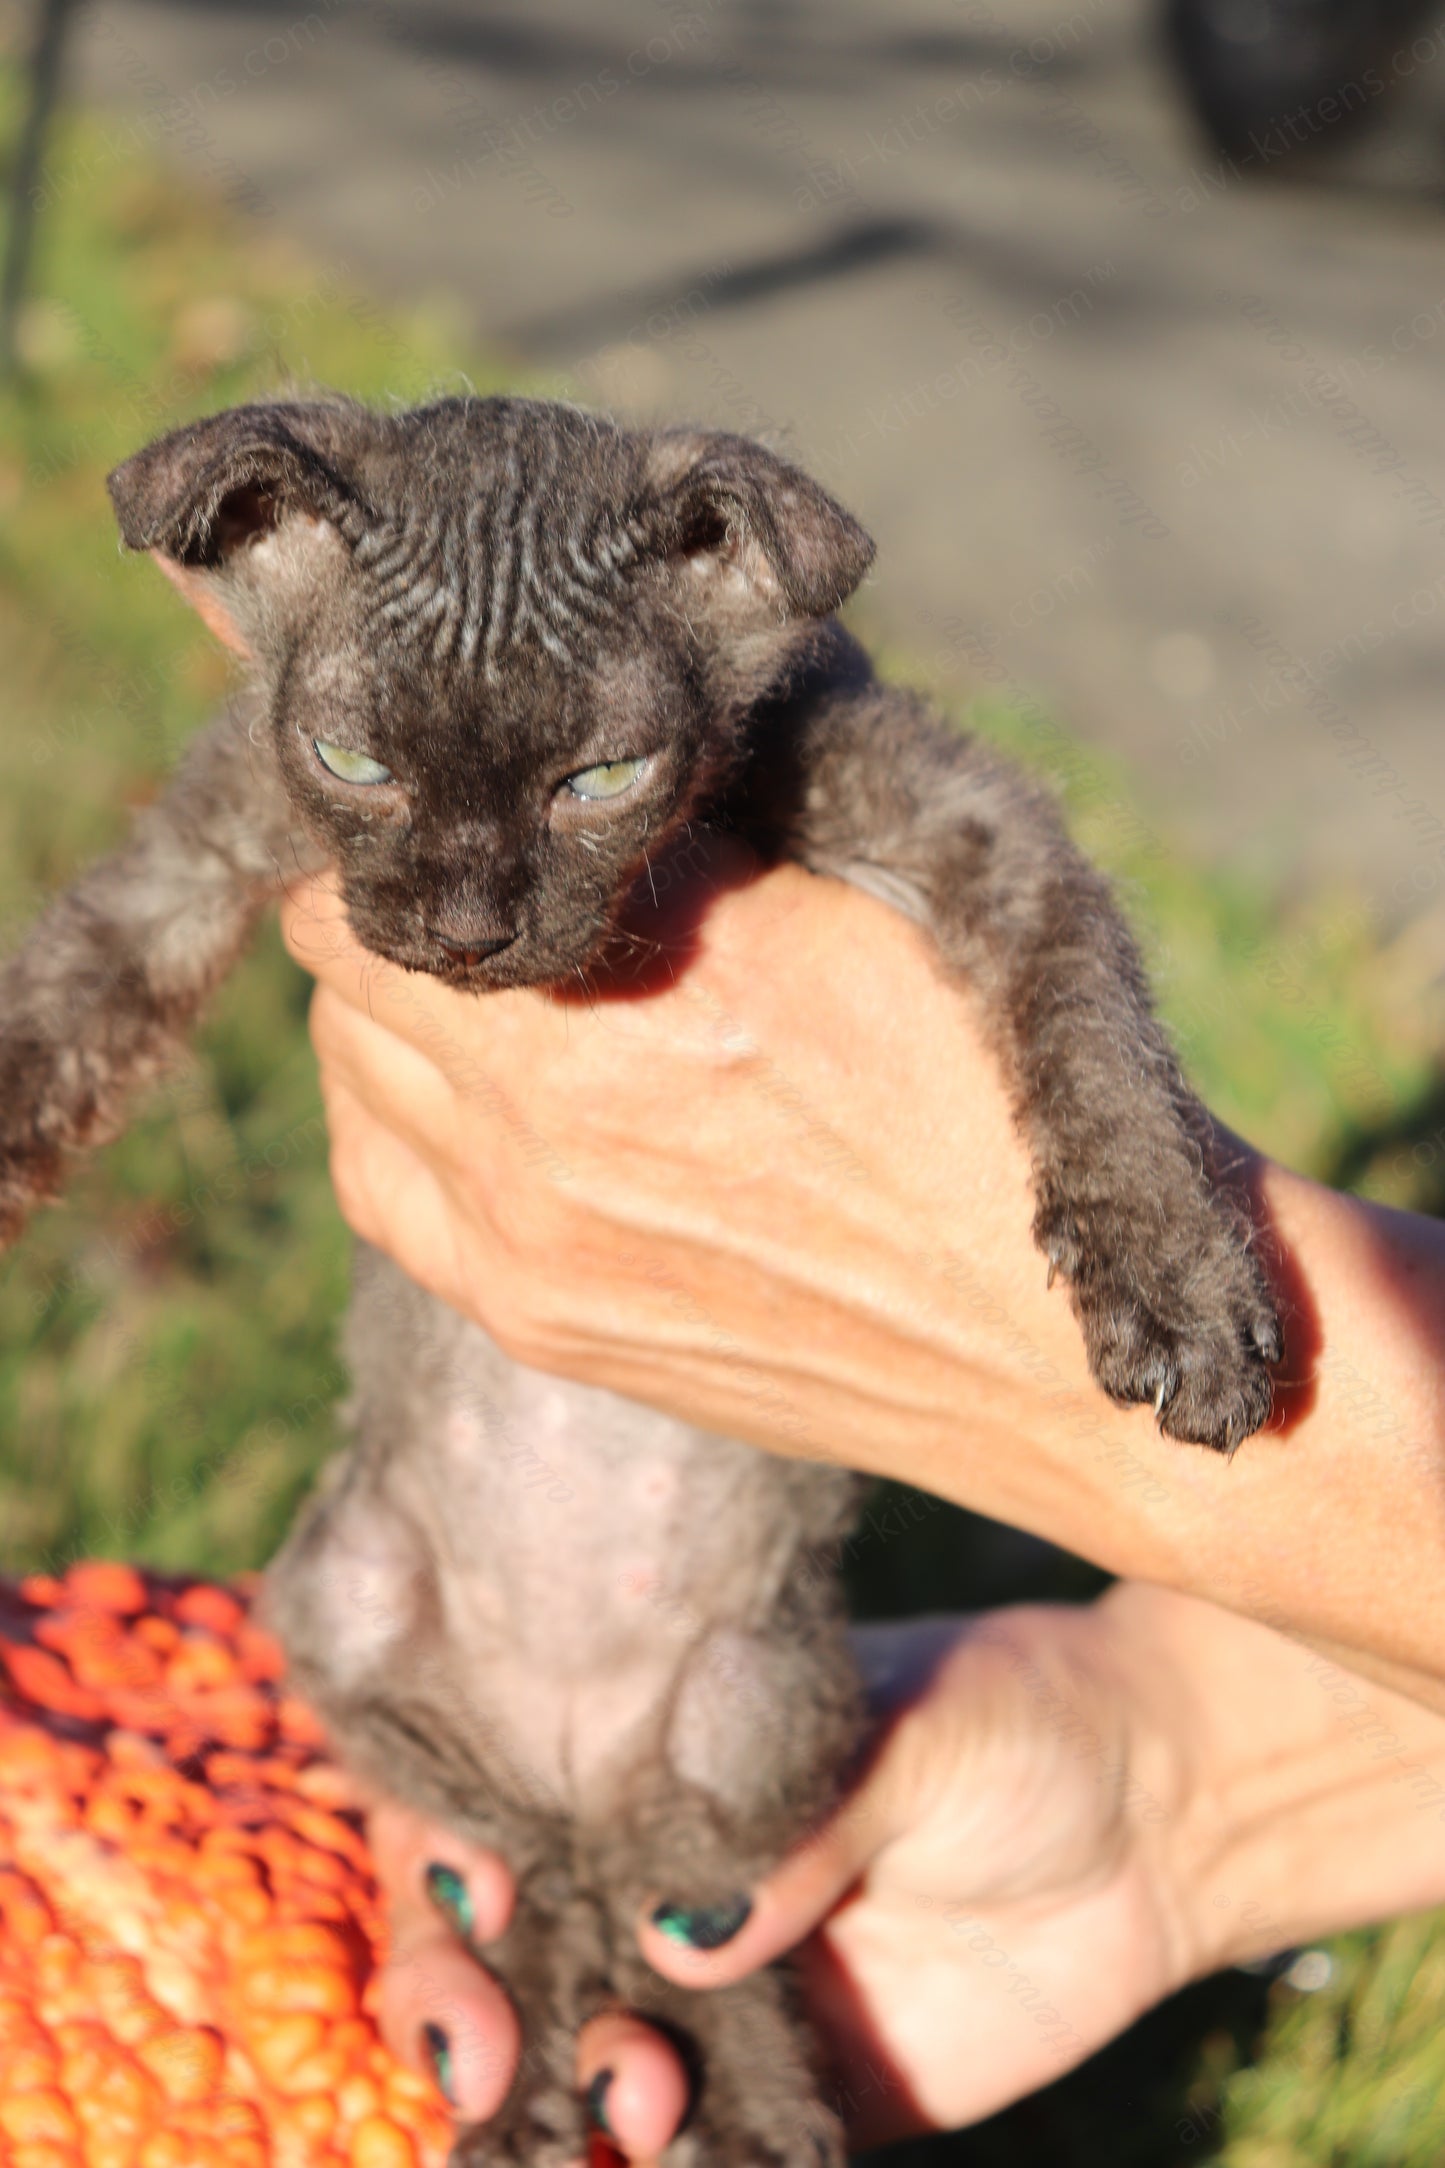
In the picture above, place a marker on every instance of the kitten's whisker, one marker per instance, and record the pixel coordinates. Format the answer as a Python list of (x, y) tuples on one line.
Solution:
[(590, 997), (642, 949)]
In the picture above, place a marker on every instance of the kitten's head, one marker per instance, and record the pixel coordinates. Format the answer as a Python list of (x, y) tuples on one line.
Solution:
[(506, 647)]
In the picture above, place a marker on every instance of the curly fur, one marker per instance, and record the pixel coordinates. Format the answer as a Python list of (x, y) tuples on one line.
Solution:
[(577, 1630)]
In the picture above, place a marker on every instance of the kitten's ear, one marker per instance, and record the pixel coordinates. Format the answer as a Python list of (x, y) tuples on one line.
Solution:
[(736, 509), (203, 499)]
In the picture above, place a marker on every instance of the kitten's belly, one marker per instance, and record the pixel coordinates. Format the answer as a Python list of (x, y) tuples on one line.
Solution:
[(602, 1568), (580, 1606)]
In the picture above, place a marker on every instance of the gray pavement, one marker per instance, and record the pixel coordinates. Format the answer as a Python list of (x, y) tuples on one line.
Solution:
[(1158, 442)]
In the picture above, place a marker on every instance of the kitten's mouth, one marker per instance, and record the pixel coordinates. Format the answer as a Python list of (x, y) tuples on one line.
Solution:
[(477, 963), (476, 969), (473, 963), (473, 970), (489, 970), (471, 953)]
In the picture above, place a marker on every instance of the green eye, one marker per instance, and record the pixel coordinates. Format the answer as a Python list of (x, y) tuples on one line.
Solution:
[(608, 781), (350, 767)]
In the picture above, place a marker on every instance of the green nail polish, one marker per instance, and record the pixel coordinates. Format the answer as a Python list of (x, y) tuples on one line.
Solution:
[(597, 2102), (439, 2056), (703, 1927), (449, 1893)]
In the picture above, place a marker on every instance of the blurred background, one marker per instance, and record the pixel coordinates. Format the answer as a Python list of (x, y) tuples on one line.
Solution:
[(1120, 325)]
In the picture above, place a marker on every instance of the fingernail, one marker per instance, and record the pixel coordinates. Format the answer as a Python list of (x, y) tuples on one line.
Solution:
[(597, 2102), (438, 2049), (449, 1893), (704, 1927)]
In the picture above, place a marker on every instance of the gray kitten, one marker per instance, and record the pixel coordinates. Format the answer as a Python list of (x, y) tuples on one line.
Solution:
[(501, 652)]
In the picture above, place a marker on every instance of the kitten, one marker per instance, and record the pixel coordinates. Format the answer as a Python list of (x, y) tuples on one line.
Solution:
[(501, 651)]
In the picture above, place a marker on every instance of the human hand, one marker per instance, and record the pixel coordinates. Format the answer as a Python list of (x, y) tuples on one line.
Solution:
[(1067, 1813), (703, 1197), (986, 1908), (442, 2012), (784, 1197)]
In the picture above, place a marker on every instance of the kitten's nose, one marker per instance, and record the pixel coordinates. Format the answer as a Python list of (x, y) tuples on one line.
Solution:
[(472, 951)]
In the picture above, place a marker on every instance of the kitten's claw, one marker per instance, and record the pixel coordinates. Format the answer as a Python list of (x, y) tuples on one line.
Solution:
[(1203, 1376), (1267, 1336), (1196, 1345)]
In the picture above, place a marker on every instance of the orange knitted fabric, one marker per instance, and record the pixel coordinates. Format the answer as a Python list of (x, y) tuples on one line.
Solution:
[(189, 1927)]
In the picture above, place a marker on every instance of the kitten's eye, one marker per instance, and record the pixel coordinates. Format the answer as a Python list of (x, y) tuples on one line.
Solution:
[(350, 767), (608, 781)]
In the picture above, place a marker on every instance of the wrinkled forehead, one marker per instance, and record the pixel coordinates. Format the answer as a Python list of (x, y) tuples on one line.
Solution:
[(455, 720), (511, 541)]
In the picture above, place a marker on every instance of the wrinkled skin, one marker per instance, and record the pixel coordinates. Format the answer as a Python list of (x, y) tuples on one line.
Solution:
[(503, 653)]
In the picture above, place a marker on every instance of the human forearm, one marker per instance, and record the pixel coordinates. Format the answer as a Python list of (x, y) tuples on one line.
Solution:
[(1329, 1525)]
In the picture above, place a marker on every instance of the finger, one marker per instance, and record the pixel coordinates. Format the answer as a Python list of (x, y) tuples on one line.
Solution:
[(895, 1661), (314, 924), (400, 1084), (709, 1946), (440, 2011), (634, 2084), (636, 2087), (406, 1848), (436, 1019), (447, 2017), (390, 1197), (318, 933)]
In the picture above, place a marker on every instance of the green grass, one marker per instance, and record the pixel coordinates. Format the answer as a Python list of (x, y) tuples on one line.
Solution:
[(167, 1374)]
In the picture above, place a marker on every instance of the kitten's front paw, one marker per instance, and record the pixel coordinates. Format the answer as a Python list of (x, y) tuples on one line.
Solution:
[(1191, 1332)]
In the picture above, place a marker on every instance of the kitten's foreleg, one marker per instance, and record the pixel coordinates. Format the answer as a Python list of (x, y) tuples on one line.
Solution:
[(110, 980), (1130, 1208), (1130, 1202)]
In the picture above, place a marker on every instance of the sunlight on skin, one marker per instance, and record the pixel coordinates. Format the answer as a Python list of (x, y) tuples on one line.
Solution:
[(1070, 1812), (431, 1980), (704, 1197)]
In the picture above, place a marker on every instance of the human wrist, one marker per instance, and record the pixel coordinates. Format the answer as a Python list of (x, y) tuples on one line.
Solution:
[(1294, 1532), (1188, 1797), (1357, 1444), (1274, 1795)]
